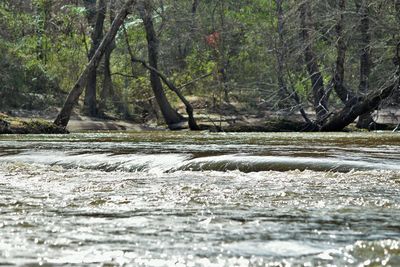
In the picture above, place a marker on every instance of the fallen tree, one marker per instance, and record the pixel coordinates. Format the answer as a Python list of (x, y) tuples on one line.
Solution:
[(365, 105), (16, 125), (357, 106)]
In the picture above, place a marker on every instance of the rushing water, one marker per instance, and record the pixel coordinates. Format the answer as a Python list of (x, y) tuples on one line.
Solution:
[(200, 199)]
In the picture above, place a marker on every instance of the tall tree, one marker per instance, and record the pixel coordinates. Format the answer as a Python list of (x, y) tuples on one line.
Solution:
[(107, 88), (320, 96), (42, 17), (365, 120), (280, 55), (171, 117), (65, 113), (99, 13), (341, 90)]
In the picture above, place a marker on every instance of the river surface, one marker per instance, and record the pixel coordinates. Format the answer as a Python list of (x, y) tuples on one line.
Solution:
[(200, 199)]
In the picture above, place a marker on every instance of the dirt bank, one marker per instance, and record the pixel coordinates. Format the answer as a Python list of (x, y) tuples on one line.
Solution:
[(78, 123)]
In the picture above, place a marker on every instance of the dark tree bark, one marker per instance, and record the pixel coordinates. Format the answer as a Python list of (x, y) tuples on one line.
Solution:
[(363, 105), (344, 94), (365, 120), (280, 54), (280, 50), (185, 44), (107, 80), (195, 5), (65, 113), (193, 23), (189, 109), (350, 112), (397, 7), (347, 96), (90, 7), (365, 49), (171, 117), (42, 11), (96, 37), (320, 96)]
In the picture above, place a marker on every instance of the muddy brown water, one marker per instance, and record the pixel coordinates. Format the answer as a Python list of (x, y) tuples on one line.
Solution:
[(200, 199)]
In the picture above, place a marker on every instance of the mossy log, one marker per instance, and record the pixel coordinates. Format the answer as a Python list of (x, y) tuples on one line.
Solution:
[(13, 125)]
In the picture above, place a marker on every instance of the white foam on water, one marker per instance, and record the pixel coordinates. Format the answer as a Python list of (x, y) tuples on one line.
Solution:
[(151, 163), (167, 162)]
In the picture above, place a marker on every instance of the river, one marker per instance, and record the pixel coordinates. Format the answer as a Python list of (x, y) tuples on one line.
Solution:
[(200, 199)]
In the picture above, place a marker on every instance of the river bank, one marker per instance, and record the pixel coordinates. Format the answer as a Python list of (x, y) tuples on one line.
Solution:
[(36, 122)]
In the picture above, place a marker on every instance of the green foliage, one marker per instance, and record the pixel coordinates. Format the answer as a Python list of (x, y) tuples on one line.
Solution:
[(24, 85), (44, 45)]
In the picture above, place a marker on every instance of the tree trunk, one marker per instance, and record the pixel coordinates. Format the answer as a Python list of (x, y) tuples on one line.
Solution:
[(107, 80), (96, 37), (397, 7), (342, 92), (367, 104), (42, 11), (365, 120), (320, 96), (350, 112), (195, 5), (189, 109), (65, 113), (171, 116), (280, 54), (185, 43), (280, 50)]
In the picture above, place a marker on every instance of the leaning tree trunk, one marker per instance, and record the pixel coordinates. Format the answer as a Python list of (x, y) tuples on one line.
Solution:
[(365, 120), (171, 117), (65, 113), (317, 82), (189, 108), (97, 35), (364, 105), (350, 112)]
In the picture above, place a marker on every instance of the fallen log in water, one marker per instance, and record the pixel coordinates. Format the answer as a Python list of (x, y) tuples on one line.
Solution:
[(15, 125)]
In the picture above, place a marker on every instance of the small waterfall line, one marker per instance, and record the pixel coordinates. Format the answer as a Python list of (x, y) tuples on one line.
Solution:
[(167, 163)]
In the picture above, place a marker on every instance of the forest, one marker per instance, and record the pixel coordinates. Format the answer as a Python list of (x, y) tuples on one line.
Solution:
[(249, 65), (207, 133)]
